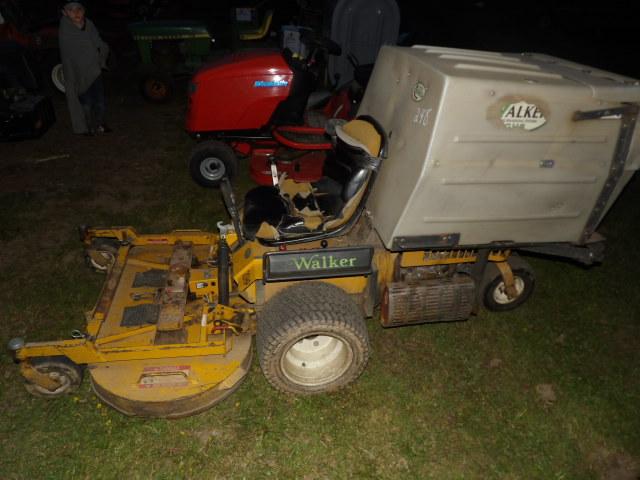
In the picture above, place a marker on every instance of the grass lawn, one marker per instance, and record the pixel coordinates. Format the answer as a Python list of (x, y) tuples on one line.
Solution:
[(549, 391)]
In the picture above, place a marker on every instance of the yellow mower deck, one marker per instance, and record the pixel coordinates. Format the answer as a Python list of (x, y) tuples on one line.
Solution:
[(153, 347), (173, 386)]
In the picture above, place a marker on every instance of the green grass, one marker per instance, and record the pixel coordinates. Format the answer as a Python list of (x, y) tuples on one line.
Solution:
[(436, 401)]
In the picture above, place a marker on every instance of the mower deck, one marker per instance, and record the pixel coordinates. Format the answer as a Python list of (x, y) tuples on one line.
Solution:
[(172, 387), (149, 307), (154, 348)]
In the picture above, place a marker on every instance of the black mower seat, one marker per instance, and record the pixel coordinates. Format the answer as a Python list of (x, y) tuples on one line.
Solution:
[(298, 210)]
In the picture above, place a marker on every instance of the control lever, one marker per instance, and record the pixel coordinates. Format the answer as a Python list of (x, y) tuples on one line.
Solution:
[(274, 171), (230, 202)]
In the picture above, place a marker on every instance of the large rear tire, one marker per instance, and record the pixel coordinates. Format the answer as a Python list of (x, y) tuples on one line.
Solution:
[(157, 87), (312, 338), (210, 162)]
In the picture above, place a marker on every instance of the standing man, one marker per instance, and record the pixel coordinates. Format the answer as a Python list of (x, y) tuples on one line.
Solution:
[(84, 55)]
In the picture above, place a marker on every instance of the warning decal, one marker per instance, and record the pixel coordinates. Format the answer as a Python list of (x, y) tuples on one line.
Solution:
[(165, 376)]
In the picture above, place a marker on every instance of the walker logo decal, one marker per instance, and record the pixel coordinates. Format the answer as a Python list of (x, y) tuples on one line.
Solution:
[(522, 115), (270, 83), (321, 263)]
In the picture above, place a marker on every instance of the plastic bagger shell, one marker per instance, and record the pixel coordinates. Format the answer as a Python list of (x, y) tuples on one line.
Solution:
[(459, 164)]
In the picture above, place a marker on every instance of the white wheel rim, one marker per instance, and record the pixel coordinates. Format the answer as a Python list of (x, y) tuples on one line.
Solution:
[(57, 77), (109, 259), (500, 295), (212, 168), (65, 383), (316, 360)]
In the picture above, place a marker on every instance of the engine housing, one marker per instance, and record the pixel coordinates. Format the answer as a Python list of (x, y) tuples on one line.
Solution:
[(447, 299)]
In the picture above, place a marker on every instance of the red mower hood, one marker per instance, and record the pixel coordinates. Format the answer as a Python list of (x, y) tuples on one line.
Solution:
[(245, 63), (239, 92)]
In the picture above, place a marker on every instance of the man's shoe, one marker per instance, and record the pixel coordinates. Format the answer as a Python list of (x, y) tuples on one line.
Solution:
[(103, 129)]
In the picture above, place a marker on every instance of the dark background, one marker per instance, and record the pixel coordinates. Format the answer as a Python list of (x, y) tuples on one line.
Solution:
[(603, 34)]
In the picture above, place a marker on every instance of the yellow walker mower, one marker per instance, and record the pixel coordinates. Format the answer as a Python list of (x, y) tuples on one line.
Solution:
[(459, 160)]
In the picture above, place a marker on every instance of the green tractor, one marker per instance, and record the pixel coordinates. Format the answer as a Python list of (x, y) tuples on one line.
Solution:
[(169, 49)]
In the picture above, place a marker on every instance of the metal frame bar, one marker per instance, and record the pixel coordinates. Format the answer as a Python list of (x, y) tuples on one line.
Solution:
[(629, 116)]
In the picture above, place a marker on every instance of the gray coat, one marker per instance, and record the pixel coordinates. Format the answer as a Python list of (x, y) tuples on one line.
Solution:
[(84, 55)]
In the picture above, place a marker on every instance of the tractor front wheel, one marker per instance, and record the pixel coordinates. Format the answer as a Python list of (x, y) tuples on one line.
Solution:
[(312, 338), (210, 162), (57, 77)]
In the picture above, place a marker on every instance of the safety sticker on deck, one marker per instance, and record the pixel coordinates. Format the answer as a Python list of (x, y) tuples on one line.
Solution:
[(522, 115), (158, 240), (165, 376)]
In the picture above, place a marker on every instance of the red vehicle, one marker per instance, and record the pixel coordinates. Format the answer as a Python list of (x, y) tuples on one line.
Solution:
[(35, 29), (254, 103)]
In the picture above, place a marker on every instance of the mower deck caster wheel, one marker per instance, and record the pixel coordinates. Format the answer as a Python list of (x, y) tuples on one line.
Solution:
[(210, 162), (494, 295), (102, 254), (312, 338), (62, 371)]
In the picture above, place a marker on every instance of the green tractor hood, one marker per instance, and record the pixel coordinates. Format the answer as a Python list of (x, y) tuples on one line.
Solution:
[(168, 30)]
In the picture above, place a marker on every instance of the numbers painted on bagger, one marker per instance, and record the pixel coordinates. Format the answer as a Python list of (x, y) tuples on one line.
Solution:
[(422, 116)]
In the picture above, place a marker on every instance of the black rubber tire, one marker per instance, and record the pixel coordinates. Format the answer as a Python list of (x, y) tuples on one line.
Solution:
[(157, 87), (492, 285), (312, 315), (68, 372), (210, 162)]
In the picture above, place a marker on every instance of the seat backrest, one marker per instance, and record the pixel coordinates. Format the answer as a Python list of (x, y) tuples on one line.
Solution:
[(358, 141), (362, 134), (355, 183)]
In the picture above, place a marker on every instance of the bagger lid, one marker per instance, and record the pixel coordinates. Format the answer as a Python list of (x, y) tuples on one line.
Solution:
[(530, 67)]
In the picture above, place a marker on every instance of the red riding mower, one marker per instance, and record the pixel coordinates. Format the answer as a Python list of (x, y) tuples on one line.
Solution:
[(262, 104)]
